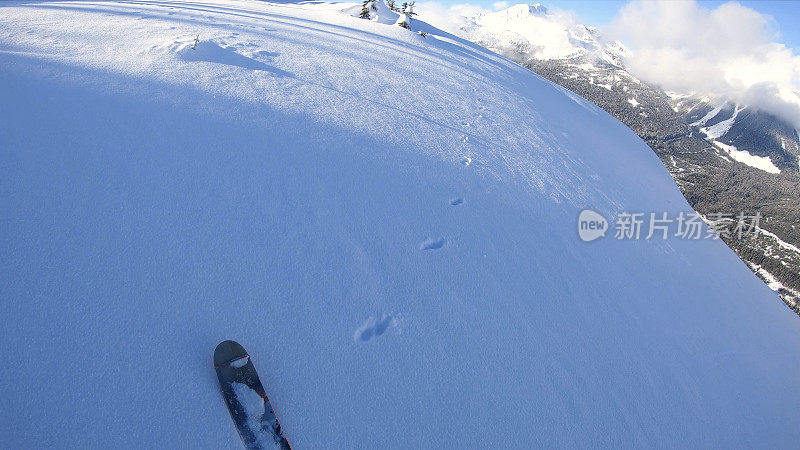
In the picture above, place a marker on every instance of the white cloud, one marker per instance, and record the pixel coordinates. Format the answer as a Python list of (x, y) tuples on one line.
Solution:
[(730, 50), (448, 18), (499, 5)]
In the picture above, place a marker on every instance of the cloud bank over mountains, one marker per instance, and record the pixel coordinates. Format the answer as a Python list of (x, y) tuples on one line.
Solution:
[(730, 51), (727, 51)]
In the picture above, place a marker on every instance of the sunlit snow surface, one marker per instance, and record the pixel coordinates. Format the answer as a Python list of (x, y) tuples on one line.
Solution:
[(290, 184)]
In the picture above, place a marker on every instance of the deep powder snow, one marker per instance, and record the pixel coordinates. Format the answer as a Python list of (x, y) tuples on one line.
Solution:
[(300, 181)]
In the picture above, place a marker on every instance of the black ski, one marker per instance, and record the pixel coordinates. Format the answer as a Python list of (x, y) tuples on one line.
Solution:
[(246, 399)]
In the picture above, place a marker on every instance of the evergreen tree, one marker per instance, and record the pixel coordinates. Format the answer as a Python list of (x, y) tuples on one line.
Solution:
[(365, 7), (403, 21), (405, 17)]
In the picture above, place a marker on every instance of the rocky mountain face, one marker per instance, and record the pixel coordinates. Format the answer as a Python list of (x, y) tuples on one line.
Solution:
[(726, 158)]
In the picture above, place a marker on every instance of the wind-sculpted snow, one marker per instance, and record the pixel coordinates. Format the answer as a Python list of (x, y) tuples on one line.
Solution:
[(211, 52), (300, 180)]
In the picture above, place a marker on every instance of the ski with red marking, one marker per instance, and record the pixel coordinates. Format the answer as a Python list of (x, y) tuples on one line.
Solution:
[(246, 399)]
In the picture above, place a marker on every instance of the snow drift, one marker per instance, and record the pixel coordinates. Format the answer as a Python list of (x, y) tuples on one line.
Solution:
[(387, 222)]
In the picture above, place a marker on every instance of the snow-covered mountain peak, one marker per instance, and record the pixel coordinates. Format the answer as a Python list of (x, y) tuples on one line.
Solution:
[(522, 10), (537, 8), (537, 32), (618, 49)]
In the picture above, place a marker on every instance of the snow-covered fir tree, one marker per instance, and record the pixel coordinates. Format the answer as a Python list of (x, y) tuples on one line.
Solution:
[(405, 16), (366, 7), (404, 21)]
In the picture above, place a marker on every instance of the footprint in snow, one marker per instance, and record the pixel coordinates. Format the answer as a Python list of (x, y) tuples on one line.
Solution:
[(432, 244), (456, 201), (375, 326)]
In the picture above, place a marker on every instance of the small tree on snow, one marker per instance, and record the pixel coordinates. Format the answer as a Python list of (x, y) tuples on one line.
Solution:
[(365, 7), (403, 21), (390, 4), (405, 17), (408, 8)]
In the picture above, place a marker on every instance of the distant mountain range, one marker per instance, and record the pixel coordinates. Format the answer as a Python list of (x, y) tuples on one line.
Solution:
[(725, 157)]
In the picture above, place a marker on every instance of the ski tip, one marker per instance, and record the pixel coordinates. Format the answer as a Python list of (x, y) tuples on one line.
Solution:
[(227, 351)]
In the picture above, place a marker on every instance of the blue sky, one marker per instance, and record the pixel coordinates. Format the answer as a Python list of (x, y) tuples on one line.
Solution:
[(785, 13), (600, 12)]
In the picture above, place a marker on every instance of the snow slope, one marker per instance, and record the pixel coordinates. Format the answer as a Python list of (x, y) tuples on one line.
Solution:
[(386, 222), (759, 162)]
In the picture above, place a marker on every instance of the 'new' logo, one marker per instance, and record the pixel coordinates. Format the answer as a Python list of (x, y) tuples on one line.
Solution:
[(591, 225)]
